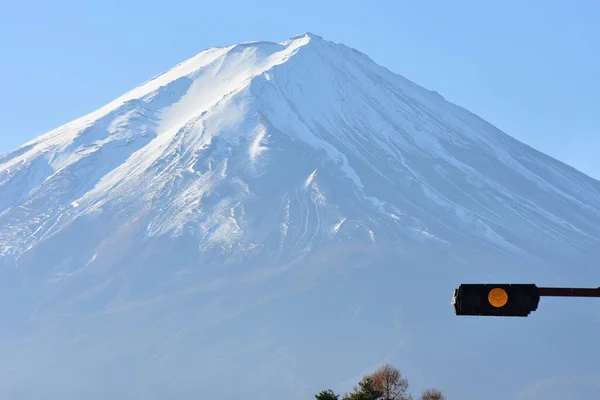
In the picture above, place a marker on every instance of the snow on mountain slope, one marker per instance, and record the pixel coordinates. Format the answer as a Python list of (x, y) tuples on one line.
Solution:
[(298, 128), (261, 211)]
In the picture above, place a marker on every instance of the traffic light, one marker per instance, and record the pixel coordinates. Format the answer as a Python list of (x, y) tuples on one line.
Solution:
[(502, 300)]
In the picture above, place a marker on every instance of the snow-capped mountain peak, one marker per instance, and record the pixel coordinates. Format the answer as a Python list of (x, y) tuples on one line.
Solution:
[(191, 149)]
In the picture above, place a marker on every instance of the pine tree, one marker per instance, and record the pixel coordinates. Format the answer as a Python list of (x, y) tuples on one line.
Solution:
[(366, 390), (327, 395)]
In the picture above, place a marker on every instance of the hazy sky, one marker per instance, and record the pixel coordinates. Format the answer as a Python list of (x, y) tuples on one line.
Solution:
[(530, 68)]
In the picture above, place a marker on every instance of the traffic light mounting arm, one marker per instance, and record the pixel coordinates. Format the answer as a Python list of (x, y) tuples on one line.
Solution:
[(569, 292)]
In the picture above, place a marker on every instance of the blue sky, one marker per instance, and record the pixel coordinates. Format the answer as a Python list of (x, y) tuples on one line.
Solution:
[(530, 67)]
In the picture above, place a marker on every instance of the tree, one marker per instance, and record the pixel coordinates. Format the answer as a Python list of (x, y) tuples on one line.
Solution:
[(432, 394), (327, 395), (366, 390), (390, 383)]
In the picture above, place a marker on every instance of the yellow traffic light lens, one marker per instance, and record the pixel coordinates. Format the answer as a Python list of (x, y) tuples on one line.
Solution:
[(498, 297)]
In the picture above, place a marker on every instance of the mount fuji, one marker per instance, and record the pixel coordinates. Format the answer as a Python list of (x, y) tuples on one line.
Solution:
[(272, 219)]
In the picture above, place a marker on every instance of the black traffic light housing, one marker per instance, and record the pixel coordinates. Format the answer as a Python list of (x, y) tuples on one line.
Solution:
[(502, 300)]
